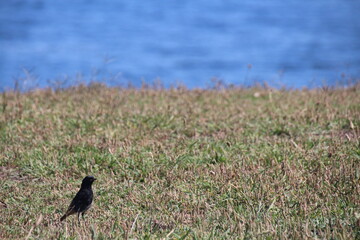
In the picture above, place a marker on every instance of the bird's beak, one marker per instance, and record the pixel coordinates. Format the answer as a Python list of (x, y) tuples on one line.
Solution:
[(94, 179)]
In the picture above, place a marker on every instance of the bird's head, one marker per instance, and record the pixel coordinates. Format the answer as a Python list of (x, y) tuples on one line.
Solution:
[(88, 180)]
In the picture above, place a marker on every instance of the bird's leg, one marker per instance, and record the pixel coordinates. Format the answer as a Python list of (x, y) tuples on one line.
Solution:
[(82, 215), (78, 216)]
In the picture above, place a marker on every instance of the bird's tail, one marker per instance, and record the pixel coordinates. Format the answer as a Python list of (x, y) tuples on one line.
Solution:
[(68, 213), (63, 217)]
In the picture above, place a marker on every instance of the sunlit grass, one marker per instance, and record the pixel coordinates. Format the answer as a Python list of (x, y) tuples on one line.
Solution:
[(192, 164)]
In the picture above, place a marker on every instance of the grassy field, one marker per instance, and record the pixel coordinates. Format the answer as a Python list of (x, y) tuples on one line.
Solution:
[(182, 164)]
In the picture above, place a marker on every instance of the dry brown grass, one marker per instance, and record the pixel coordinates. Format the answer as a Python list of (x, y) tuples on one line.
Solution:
[(202, 164)]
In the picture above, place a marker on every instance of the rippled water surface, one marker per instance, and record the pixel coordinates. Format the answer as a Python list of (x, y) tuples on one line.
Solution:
[(286, 43)]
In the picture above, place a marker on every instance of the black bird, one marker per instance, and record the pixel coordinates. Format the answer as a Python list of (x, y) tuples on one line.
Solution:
[(83, 199)]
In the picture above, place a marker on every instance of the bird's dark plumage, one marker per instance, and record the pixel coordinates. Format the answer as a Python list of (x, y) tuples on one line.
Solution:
[(82, 200)]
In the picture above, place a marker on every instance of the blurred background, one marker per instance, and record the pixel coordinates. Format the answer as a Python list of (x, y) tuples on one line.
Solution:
[(290, 43)]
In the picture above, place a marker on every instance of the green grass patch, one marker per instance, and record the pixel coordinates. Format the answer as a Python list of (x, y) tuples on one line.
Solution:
[(182, 164)]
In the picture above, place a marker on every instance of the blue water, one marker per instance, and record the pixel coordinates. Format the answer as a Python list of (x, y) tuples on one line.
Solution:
[(288, 43)]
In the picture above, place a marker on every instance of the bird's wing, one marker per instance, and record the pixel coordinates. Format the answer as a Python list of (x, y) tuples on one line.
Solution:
[(83, 197)]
